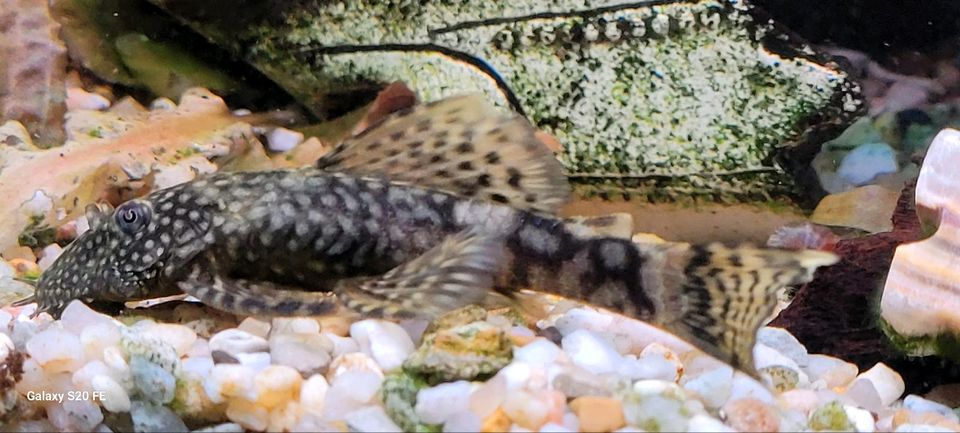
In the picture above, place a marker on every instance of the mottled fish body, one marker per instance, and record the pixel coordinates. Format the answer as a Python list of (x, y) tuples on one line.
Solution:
[(447, 205)]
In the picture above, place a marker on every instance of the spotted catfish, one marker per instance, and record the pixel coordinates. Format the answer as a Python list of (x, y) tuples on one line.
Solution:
[(449, 204)]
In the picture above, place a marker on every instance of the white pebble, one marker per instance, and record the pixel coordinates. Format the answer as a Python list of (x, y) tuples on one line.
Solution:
[(277, 385), (6, 346), (83, 377), (920, 404), (296, 325), (178, 336), (114, 397), (97, 337), (230, 380), (551, 427), (357, 361), (386, 342), (745, 387), (922, 428), (647, 367), (79, 99), (488, 396), (571, 422), (341, 345), (463, 422), (591, 352), (832, 371), (234, 341), (359, 386), (713, 386), (257, 360), (198, 366), (307, 353), (526, 409), (313, 393), (81, 415), (48, 255), (861, 419), (371, 419), (701, 422), (784, 343), (6, 271), (862, 393), (540, 351), (516, 374), (283, 140), (255, 326), (438, 404), (77, 316), (56, 350), (39, 204), (889, 384), (350, 391)]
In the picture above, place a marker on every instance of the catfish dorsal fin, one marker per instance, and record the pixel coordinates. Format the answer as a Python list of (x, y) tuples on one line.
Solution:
[(461, 145)]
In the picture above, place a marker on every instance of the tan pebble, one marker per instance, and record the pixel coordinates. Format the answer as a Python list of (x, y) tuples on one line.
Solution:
[(598, 414), (520, 340), (339, 325), (276, 385), (901, 416), (933, 418), (248, 414), (25, 268), (751, 415), (255, 326), (498, 421), (285, 417), (352, 361)]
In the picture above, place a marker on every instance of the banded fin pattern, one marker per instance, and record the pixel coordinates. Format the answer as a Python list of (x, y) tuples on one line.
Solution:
[(458, 272), (461, 145), (252, 297), (718, 297)]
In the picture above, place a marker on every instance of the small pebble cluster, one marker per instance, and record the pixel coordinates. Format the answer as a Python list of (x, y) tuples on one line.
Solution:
[(472, 370)]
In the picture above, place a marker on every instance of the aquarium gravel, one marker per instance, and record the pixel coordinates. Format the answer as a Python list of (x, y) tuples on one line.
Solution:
[(579, 369)]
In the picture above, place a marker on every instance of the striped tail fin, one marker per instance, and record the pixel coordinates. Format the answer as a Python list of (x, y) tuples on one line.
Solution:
[(717, 297)]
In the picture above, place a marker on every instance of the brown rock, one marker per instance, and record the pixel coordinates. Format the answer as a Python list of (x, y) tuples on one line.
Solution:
[(598, 414)]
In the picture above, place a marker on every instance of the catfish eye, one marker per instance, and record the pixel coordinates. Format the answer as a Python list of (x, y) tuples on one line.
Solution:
[(132, 216)]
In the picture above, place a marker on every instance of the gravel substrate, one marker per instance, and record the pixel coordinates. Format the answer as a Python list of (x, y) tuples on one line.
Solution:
[(579, 370)]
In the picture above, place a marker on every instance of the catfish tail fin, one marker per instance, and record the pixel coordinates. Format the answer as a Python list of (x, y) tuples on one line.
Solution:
[(717, 297)]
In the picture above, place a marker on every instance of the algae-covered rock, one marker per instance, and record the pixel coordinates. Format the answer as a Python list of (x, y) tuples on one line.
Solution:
[(452, 350), (663, 99), (399, 393), (830, 417)]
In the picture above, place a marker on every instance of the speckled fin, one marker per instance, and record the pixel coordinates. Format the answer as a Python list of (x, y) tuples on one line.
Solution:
[(718, 297), (458, 272), (252, 297), (462, 145)]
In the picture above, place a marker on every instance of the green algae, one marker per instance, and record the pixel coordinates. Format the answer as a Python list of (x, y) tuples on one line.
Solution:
[(830, 417), (399, 394), (662, 101), (945, 345)]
